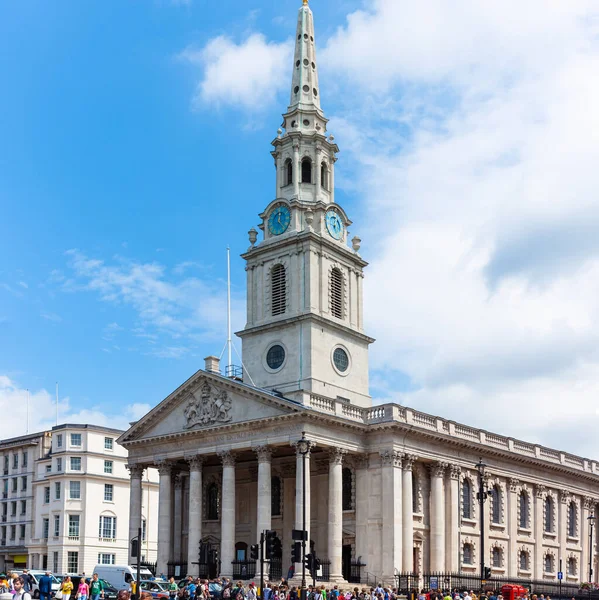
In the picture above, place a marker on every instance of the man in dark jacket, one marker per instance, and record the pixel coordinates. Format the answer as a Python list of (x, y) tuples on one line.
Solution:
[(45, 586)]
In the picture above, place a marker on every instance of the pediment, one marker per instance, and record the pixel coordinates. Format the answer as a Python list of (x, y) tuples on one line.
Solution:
[(207, 401)]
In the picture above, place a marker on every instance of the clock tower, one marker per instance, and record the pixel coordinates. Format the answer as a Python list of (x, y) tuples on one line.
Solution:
[(304, 332)]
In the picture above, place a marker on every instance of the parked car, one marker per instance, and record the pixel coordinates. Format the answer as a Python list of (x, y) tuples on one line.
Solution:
[(158, 589), (35, 591), (110, 592)]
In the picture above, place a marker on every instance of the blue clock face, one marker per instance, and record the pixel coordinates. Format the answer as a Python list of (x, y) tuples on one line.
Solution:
[(279, 220), (334, 224)]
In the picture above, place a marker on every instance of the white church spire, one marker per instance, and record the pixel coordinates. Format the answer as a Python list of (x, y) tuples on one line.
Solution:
[(305, 93)]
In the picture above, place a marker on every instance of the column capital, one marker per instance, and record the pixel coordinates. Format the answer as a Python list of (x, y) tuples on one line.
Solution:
[(514, 484), (454, 471), (539, 490), (135, 471), (227, 458), (195, 462), (264, 453), (336, 456), (408, 461), (296, 445), (438, 469), (564, 496), (164, 467), (589, 502), (391, 458)]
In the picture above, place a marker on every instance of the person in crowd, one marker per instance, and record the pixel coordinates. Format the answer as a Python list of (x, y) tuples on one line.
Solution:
[(66, 588), (124, 595), (45, 586), (96, 588), (82, 589), (173, 588), (20, 593)]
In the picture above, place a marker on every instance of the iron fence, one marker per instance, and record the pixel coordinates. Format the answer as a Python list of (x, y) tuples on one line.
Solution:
[(355, 571), (177, 569), (244, 569)]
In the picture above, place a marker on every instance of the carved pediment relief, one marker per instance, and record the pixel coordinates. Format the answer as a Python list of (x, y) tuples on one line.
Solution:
[(207, 405)]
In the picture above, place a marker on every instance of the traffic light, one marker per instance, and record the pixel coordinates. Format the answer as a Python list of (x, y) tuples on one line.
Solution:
[(255, 552), (308, 559), (270, 539), (487, 573), (315, 565), (134, 547), (296, 552)]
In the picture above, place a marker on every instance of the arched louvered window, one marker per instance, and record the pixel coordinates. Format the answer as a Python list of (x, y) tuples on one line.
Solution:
[(572, 566), (278, 290), (467, 499), (347, 489), (572, 519), (524, 561), (324, 176), (288, 172), (548, 563), (523, 509), (548, 514), (212, 502), (495, 504), (336, 291), (275, 496), (306, 170), (468, 554), (496, 557)]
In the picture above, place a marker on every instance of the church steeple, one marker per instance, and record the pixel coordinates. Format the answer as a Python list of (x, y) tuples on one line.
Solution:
[(305, 93)]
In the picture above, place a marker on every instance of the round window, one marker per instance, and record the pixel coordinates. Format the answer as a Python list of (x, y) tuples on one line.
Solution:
[(341, 359), (275, 357)]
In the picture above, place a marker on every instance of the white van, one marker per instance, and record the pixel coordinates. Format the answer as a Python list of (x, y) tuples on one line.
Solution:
[(35, 591), (121, 576)]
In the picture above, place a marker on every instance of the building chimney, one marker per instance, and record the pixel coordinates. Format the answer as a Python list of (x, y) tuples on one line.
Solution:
[(212, 364)]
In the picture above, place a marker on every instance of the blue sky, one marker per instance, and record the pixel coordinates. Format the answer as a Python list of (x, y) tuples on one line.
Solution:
[(135, 147)]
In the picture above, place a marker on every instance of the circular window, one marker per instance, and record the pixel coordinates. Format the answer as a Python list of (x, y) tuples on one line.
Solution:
[(296, 89), (311, 39), (306, 62), (313, 66), (299, 37), (341, 359), (292, 123), (305, 36), (306, 123), (275, 357), (315, 91), (297, 64), (306, 88)]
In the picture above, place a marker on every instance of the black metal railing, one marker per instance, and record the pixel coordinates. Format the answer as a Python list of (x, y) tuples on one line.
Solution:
[(325, 570), (275, 572), (407, 582), (244, 569), (151, 566), (355, 571), (177, 569)]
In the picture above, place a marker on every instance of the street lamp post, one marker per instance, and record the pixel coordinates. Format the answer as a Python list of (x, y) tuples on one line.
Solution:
[(482, 496), (591, 519), (303, 447)]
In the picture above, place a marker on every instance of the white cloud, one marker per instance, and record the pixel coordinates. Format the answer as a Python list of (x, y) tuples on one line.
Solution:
[(247, 75), (42, 410), (471, 130)]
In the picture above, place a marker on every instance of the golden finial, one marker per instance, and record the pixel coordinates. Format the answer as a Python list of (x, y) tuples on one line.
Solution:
[(305, 2)]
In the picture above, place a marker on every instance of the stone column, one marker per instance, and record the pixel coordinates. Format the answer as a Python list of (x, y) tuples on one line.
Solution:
[(362, 493), (538, 512), (164, 516), (297, 170), (263, 520), (437, 524), (177, 516), (512, 524), (452, 521), (392, 513), (335, 530), (194, 528), (586, 510), (299, 503), (317, 173), (562, 528), (227, 516), (408, 515), (135, 473)]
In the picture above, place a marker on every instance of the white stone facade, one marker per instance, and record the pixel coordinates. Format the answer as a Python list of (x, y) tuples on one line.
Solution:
[(78, 502), (386, 484)]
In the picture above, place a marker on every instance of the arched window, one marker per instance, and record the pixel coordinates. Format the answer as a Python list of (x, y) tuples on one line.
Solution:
[(336, 293), (275, 496), (468, 554), (467, 499), (548, 514), (288, 172), (523, 509), (571, 566), (212, 502), (495, 504), (241, 549), (523, 560), (278, 290), (496, 557), (572, 519), (548, 563), (324, 176), (347, 489), (306, 170)]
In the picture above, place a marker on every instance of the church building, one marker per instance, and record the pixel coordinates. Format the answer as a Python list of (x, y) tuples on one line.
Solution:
[(386, 489)]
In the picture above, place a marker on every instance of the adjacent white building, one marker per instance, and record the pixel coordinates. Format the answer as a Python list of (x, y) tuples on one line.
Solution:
[(73, 510), (386, 484)]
